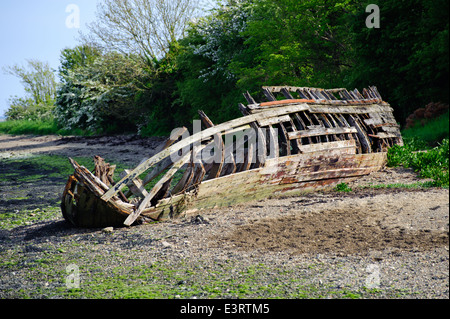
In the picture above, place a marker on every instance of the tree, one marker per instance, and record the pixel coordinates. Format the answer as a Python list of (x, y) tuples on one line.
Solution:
[(79, 57), (407, 58), (302, 43), (142, 27), (40, 91), (99, 91)]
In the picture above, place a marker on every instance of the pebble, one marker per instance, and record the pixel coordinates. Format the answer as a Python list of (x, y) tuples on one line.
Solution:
[(108, 230)]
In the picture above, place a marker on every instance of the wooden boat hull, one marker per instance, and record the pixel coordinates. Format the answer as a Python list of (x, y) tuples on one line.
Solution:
[(288, 176), (289, 147)]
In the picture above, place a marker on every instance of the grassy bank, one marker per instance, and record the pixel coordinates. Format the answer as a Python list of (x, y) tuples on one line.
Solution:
[(429, 133), (23, 127)]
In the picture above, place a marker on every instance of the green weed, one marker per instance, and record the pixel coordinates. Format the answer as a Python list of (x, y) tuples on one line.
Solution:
[(343, 187), (432, 163)]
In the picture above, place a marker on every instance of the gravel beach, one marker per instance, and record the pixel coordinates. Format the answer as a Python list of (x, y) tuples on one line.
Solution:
[(367, 243)]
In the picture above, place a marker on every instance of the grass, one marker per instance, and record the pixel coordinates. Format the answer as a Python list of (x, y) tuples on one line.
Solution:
[(430, 132), (168, 280), (401, 185), (40, 127), (10, 220)]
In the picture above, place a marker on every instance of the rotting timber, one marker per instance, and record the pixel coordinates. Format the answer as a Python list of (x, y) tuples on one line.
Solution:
[(304, 140)]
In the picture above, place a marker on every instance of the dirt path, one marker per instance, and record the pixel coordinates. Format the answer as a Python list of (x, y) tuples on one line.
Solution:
[(403, 232)]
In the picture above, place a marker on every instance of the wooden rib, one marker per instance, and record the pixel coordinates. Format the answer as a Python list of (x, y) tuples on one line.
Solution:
[(248, 158), (260, 149), (162, 192), (285, 138), (216, 168), (198, 170), (133, 216), (302, 94), (273, 138), (362, 136), (249, 98), (303, 125), (185, 180), (174, 136), (295, 143), (166, 163), (286, 93), (269, 95)]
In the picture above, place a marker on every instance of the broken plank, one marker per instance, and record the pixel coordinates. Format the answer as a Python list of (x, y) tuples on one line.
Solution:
[(337, 145), (274, 120), (136, 187), (321, 131)]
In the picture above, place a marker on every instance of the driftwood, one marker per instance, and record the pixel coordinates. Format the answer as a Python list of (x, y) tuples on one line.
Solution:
[(300, 140)]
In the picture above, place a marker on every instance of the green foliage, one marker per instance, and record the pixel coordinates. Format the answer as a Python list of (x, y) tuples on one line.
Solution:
[(40, 92), (433, 163), (407, 58), (98, 92), (343, 187), (243, 45), (302, 43), (21, 108)]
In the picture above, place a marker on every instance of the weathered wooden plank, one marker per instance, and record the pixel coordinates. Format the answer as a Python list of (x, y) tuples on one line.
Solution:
[(89, 179), (383, 135), (337, 145), (391, 129), (321, 131), (274, 120), (276, 103), (354, 109), (245, 186), (136, 187)]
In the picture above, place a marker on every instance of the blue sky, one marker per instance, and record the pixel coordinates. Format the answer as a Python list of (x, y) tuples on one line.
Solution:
[(36, 29)]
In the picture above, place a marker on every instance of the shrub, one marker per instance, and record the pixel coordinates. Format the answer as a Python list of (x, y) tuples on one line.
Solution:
[(433, 163)]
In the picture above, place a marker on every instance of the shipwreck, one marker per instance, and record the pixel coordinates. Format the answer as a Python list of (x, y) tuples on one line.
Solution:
[(300, 140)]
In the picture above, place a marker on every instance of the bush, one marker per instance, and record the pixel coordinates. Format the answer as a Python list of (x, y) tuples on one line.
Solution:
[(433, 163)]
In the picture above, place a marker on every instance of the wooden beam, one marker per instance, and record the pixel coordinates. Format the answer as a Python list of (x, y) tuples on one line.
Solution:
[(321, 131)]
